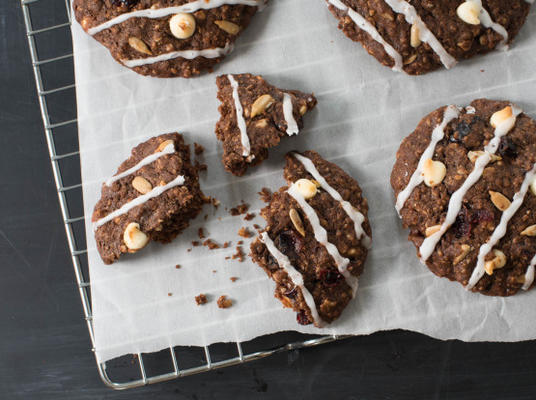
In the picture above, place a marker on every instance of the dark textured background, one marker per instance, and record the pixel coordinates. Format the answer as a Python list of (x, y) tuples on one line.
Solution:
[(44, 344)]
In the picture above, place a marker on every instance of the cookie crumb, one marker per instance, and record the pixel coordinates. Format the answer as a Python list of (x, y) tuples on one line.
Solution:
[(242, 208), (240, 242), (200, 167), (257, 227), (228, 257), (239, 255), (224, 302), (215, 202), (244, 232), (214, 271), (195, 243), (226, 244), (201, 299), (201, 233), (170, 294), (233, 278), (198, 149), (265, 194), (249, 216), (178, 266), (189, 250), (211, 244)]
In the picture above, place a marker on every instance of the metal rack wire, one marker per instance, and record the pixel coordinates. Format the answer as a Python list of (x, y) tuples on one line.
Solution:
[(76, 236)]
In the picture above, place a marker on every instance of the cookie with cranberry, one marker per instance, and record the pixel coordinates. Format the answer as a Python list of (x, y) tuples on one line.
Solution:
[(316, 239), (254, 117), (153, 196), (465, 187), (419, 36), (166, 38)]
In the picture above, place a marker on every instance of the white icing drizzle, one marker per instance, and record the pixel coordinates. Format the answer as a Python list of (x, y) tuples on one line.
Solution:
[(296, 278), (170, 148), (164, 12), (487, 22), (365, 25), (322, 237), (529, 275), (357, 217), (187, 54), (455, 203), (500, 230), (425, 34), (157, 191), (246, 149), (451, 112), (292, 125)]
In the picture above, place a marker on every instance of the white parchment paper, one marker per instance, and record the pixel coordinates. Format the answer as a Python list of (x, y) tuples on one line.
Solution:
[(363, 113)]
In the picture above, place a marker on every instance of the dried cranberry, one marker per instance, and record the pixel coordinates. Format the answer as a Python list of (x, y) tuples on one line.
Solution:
[(329, 277), (507, 148), (290, 243), (302, 318), (291, 293), (481, 216), (462, 227), (466, 221)]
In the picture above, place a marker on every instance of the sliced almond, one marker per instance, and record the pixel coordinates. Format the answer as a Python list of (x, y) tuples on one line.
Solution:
[(303, 109), (529, 231), (433, 172), (473, 156), (432, 229), (134, 238), (261, 104), (141, 184), (139, 45), (261, 123), (499, 200), (502, 116), (415, 36), (296, 221), (497, 262), (410, 59), (533, 186), (229, 27), (163, 145), (465, 249)]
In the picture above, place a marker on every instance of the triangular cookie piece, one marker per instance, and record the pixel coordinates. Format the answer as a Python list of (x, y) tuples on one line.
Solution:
[(254, 117)]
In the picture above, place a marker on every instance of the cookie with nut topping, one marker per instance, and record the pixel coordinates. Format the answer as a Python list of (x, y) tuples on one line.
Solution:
[(167, 38), (255, 116), (420, 36), (465, 187), (153, 196), (316, 239)]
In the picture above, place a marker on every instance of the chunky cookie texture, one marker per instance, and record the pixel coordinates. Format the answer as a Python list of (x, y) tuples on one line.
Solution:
[(465, 187), (153, 196), (316, 239), (166, 38), (422, 35), (254, 117)]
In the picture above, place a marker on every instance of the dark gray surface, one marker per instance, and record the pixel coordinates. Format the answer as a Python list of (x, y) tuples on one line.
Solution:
[(44, 345)]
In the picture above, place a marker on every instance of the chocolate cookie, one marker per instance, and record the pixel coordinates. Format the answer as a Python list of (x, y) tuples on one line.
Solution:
[(254, 117), (422, 35), (153, 196), (166, 38), (465, 186), (316, 239)]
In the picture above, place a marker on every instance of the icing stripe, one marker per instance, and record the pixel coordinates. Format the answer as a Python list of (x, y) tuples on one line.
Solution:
[(487, 22), (187, 54), (157, 191), (425, 34), (294, 275), (322, 237), (170, 148), (500, 230), (240, 117), (455, 203), (292, 125), (366, 26), (164, 12), (529, 275), (357, 217), (451, 112)]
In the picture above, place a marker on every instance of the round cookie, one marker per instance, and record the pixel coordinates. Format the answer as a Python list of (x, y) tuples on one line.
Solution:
[(166, 38), (153, 196), (316, 239), (422, 35), (465, 186)]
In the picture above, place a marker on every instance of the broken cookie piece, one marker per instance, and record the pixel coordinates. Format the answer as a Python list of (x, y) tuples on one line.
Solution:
[(153, 196), (254, 117)]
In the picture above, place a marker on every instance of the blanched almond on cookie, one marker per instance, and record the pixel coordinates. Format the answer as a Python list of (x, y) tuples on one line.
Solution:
[(134, 238), (433, 172), (497, 262)]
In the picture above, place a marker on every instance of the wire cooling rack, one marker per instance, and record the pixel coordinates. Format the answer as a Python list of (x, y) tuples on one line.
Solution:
[(48, 30)]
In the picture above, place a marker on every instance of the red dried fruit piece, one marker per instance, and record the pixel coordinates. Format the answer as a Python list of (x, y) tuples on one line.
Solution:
[(329, 277), (290, 243), (303, 319), (507, 148)]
